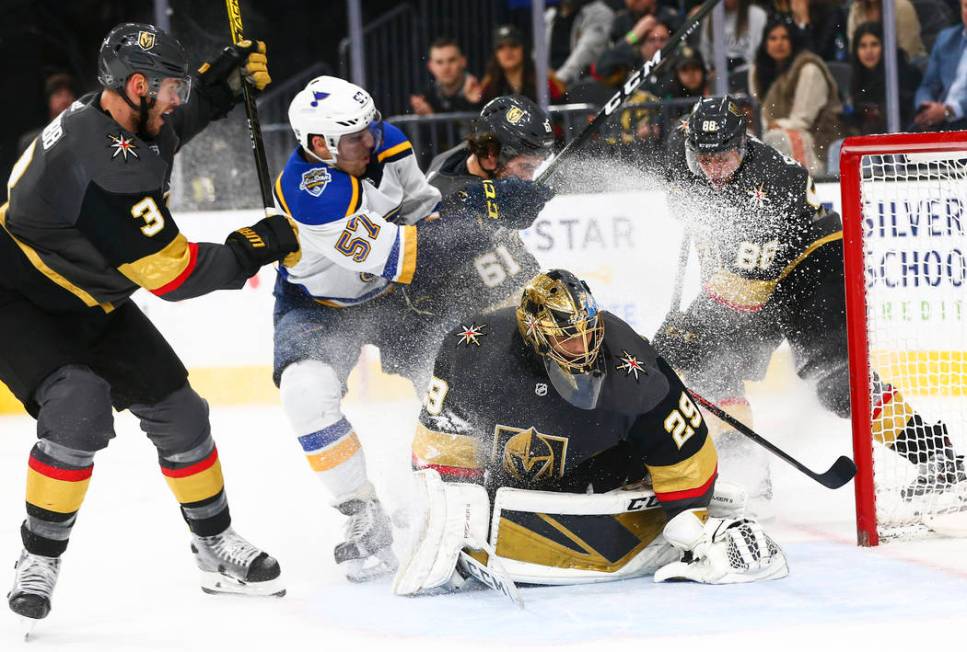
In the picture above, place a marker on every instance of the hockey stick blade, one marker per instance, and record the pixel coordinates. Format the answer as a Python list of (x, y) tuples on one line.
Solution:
[(637, 78), (493, 578), (841, 472)]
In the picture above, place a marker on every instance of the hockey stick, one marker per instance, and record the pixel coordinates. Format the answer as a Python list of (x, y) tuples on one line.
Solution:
[(841, 472), (492, 575), (683, 250), (251, 113), (637, 78)]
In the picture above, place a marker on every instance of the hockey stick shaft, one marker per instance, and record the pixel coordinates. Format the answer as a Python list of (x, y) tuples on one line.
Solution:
[(841, 472), (637, 78), (251, 113)]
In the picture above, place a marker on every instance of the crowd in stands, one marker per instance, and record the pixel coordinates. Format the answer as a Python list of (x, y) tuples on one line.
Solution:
[(815, 68)]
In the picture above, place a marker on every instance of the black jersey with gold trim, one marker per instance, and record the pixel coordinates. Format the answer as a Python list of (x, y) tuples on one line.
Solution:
[(756, 231), (87, 210), (493, 416)]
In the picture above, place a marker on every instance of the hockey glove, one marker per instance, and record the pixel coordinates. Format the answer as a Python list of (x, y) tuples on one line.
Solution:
[(721, 551), (273, 238), (245, 58), (512, 202)]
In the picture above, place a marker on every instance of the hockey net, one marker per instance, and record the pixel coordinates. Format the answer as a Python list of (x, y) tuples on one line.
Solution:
[(905, 218)]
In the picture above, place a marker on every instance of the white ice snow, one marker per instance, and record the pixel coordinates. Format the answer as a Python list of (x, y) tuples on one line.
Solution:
[(129, 583)]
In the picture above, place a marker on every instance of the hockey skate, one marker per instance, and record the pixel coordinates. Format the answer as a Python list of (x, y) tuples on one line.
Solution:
[(230, 564), (943, 472), (33, 584), (367, 552)]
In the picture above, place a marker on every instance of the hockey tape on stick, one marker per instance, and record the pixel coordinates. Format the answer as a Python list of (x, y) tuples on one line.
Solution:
[(492, 575), (841, 472), (637, 78), (252, 114)]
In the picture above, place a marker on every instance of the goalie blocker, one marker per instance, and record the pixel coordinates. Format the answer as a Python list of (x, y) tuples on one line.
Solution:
[(584, 407)]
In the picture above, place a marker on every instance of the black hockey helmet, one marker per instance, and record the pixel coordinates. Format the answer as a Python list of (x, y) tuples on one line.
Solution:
[(716, 125), (509, 126), (141, 48)]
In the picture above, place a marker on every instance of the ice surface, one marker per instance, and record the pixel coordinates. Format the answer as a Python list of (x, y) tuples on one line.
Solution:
[(129, 582)]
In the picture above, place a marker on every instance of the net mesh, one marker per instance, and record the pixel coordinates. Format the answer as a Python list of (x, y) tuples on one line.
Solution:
[(915, 259)]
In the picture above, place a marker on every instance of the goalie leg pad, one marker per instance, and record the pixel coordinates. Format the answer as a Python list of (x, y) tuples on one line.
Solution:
[(722, 551), (456, 513)]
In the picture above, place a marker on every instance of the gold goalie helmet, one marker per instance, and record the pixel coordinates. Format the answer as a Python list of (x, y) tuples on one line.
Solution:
[(559, 318)]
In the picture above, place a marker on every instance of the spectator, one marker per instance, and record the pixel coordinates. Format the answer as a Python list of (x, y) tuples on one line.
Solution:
[(743, 31), (61, 90), (633, 23), (577, 34), (868, 85), (798, 95), (821, 23), (941, 99), (511, 71), (452, 88), (907, 24), (690, 78)]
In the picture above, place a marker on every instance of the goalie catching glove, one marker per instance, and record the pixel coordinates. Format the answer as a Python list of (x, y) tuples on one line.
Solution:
[(273, 238), (721, 551)]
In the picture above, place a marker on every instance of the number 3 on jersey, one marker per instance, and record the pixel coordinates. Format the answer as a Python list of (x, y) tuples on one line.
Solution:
[(683, 420), (357, 248), (147, 209)]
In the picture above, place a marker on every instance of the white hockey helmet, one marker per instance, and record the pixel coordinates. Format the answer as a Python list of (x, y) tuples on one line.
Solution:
[(332, 107)]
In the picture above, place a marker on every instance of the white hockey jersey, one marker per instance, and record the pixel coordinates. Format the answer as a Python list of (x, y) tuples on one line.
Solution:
[(356, 235)]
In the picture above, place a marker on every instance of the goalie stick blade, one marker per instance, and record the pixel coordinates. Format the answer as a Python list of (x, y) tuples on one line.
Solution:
[(493, 578), (841, 472)]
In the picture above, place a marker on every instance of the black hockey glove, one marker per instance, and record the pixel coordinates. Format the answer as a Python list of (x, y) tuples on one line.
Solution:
[(221, 79), (273, 238), (512, 202)]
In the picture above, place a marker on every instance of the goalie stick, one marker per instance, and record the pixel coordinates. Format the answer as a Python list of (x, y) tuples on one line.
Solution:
[(637, 78), (491, 575), (841, 472), (251, 113)]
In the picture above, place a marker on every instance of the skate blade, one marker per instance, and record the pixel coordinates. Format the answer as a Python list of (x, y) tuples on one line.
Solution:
[(357, 572), (218, 584), (27, 627)]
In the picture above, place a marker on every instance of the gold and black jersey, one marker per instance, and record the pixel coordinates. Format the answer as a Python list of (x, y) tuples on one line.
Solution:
[(492, 416), (87, 216), (757, 231)]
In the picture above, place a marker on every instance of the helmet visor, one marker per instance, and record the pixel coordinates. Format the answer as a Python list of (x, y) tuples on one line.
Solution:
[(173, 90)]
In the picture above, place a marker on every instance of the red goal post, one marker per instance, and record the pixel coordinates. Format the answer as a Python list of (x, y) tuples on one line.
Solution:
[(878, 173)]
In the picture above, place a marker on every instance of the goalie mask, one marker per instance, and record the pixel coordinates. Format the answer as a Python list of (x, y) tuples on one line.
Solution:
[(716, 139), (559, 318)]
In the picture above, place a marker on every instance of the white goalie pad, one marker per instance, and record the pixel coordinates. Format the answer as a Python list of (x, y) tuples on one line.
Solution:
[(455, 516), (722, 551), (571, 556)]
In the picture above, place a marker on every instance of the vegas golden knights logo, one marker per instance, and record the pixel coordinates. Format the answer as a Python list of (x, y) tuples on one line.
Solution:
[(528, 455), (146, 40), (514, 115)]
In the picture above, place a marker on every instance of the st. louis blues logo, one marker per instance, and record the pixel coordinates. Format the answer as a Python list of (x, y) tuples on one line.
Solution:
[(471, 334), (315, 180), (123, 146), (630, 365), (318, 96)]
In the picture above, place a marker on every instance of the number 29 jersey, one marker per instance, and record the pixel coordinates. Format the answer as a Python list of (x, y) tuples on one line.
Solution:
[(491, 416)]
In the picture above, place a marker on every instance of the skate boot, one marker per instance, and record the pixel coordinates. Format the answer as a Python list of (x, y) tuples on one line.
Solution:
[(367, 551), (942, 471), (230, 564), (33, 584)]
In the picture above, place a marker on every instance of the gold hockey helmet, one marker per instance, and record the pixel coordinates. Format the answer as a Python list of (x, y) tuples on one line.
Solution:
[(559, 318)]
